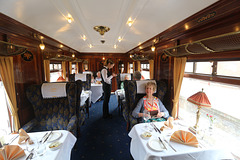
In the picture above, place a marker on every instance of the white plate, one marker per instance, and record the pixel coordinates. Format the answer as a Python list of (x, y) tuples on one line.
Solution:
[(54, 136), (156, 145)]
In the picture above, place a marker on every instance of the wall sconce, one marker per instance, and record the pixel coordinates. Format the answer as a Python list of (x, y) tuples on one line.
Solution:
[(153, 48), (130, 22), (42, 46)]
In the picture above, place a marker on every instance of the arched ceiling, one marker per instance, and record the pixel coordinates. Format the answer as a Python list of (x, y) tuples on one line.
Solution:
[(150, 17)]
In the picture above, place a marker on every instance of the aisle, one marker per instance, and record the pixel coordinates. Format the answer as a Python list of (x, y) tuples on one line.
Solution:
[(103, 139)]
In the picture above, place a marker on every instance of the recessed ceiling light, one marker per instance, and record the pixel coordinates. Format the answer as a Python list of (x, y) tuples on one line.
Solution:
[(69, 18), (119, 39), (84, 37), (130, 22)]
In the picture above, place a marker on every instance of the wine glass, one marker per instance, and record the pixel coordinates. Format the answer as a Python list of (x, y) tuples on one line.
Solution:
[(146, 117)]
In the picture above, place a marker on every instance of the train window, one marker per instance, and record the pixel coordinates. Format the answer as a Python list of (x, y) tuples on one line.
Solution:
[(189, 67), (203, 67), (55, 71), (131, 67), (145, 70), (223, 98), (74, 68), (4, 116), (228, 68)]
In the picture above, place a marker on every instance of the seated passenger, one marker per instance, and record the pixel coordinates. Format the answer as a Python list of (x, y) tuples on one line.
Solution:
[(151, 104), (98, 79), (137, 75)]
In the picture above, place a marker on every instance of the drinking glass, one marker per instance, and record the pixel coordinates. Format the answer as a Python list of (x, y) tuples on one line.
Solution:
[(146, 117)]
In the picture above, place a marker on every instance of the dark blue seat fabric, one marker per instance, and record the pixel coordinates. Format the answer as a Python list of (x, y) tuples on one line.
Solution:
[(132, 99), (53, 113)]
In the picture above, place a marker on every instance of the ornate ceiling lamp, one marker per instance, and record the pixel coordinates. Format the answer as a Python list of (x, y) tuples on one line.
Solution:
[(101, 29)]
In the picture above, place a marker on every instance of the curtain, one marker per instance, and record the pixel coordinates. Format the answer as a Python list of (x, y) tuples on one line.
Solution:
[(64, 69), (46, 64), (77, 68), (70, 67), (178, 72), (151, 68), (134, 66), (7, 76), (138, 66)]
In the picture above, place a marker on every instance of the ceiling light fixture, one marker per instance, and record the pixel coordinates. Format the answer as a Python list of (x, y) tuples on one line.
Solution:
[(130, 22), (101, 29), (90, 46), (61, 46), (115, 46), (73, 55)]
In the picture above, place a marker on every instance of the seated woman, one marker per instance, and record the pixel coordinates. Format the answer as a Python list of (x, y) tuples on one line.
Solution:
[(98, 79), (151, 104)]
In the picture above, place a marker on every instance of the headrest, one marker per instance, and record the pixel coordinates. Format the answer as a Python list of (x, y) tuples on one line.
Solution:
[(88, 72), (81, 77), (53, 90), (123, 75), (141, 85)]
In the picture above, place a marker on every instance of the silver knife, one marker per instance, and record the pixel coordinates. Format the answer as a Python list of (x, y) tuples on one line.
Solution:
[(29, 156), (170, 145), (47, 137), (162, 143), (43, 137)]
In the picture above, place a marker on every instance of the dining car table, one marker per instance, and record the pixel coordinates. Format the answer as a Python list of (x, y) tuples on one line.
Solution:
[(150, 148), (65, 138)]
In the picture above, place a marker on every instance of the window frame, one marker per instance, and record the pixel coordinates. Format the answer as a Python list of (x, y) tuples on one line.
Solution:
[(213, 76)]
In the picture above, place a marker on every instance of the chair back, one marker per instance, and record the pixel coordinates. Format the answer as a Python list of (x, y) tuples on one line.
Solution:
[(121, 78), (86, 82), (53, 113)]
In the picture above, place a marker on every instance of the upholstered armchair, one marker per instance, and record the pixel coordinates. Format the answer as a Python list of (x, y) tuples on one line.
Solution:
[(56, 113), (132, 98), (86, 85)]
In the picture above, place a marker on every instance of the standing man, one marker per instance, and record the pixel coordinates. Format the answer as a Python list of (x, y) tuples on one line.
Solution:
[(107, 86)]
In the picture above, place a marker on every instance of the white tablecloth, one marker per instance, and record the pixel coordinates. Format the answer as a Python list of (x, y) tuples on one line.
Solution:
[(96, 92), (63, 153), (140, 150), (84, 96), (120, 93)]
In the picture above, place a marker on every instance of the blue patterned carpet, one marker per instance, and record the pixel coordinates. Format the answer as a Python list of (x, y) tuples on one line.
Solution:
[(103, 139)]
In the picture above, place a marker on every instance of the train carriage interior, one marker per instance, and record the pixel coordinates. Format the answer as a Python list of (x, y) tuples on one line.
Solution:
[(53, 58)]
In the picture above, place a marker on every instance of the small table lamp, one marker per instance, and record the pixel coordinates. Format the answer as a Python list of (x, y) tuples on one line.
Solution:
[(200, 99)]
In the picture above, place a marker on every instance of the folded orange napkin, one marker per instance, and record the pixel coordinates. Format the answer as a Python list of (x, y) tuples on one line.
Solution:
[(168, 124), (184, 137), (11, 152), (24, 137)]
